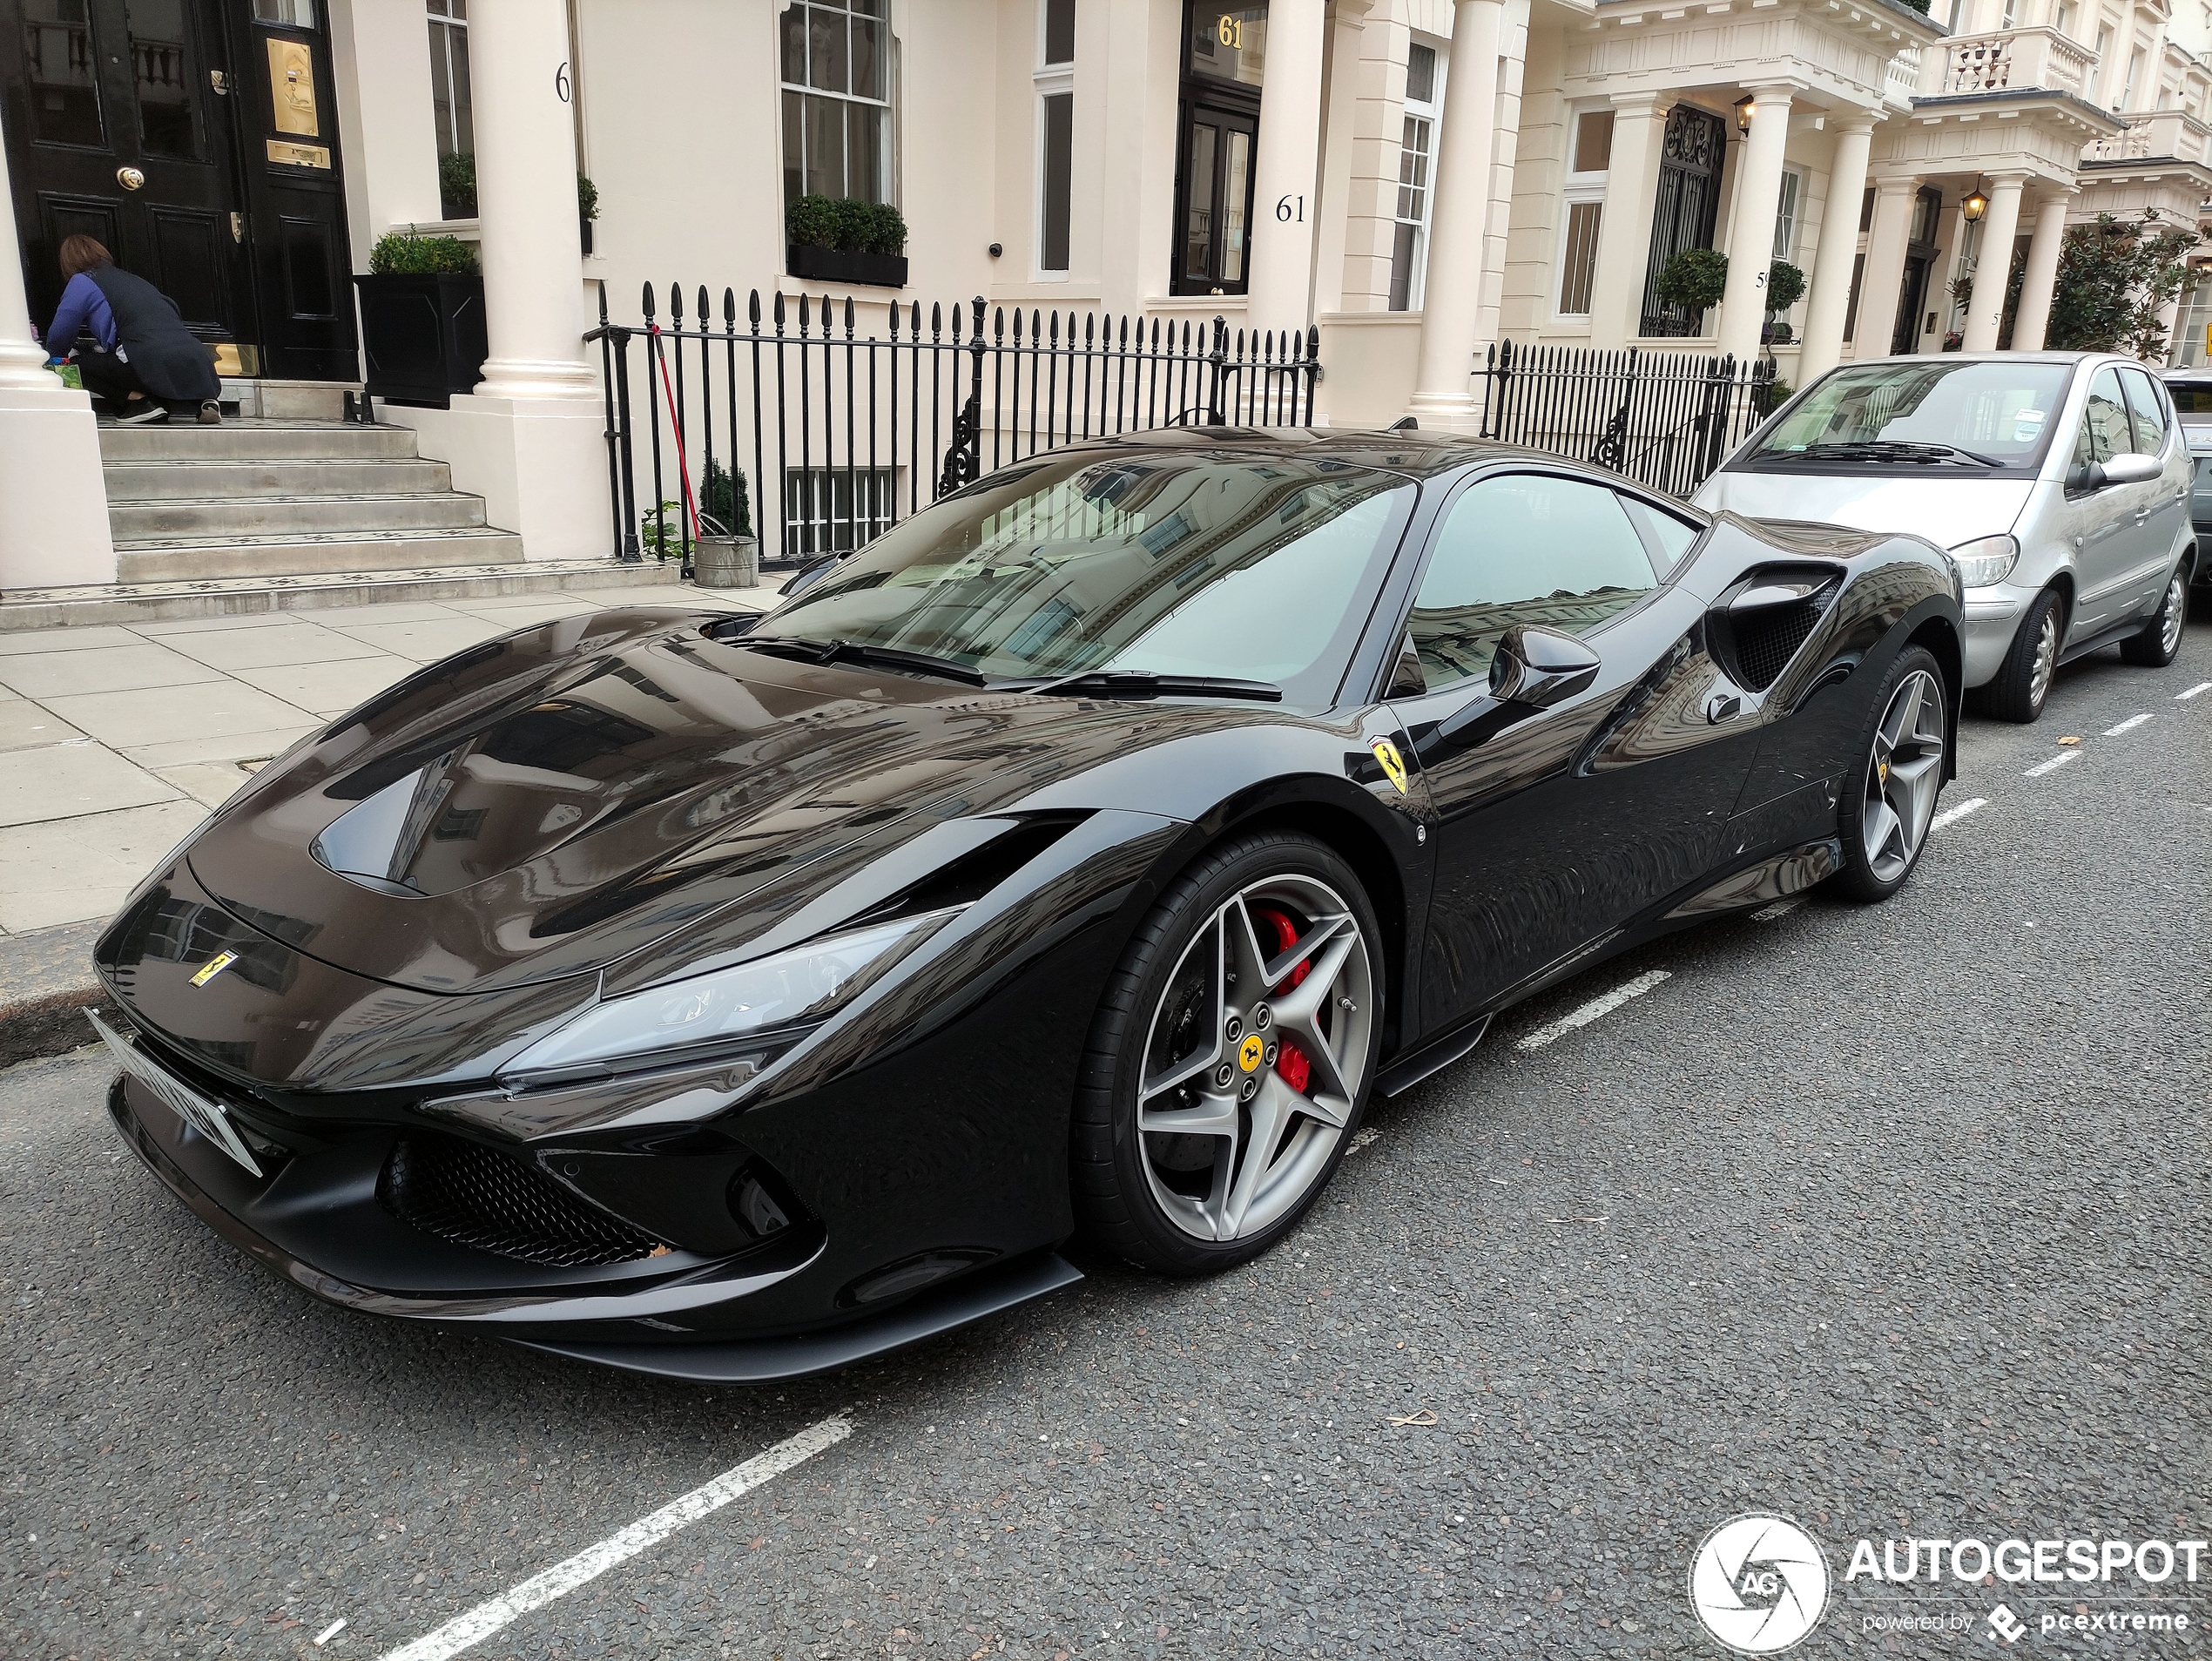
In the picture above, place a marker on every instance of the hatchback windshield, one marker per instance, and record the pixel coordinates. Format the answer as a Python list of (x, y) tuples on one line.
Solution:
[(1190, 564), (1921, 413)]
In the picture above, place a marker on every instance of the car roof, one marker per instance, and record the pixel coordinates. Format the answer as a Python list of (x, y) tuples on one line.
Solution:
[(1418, 454)]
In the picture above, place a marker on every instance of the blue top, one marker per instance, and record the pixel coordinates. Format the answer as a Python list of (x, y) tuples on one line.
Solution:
[(82, 302)]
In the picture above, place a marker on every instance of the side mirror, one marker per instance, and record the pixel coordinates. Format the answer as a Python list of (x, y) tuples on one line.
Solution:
[(2130, 468), (1539, 667)]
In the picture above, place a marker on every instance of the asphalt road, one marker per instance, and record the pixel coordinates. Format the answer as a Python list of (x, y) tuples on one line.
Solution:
[(1891, 1220)]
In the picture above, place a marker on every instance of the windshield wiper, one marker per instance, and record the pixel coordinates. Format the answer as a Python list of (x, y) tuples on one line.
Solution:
[(1892, 450), (1144, 683), (808, 651)]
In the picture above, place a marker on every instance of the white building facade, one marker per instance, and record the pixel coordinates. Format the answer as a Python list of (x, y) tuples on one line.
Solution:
[(1417, 179)]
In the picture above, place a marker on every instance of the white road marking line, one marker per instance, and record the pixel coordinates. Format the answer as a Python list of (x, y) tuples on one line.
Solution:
[(2052, 765), (1593, 1010), (2129, 725), (328, 1633), (1953, 815), (466, 1631), (2200, 686), (1778, 909)]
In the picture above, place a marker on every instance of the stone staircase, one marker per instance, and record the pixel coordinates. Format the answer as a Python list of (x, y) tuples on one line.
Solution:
[(263, 497), (290, 512)]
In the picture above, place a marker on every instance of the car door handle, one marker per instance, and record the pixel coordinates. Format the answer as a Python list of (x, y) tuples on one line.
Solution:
[(1723, 706)]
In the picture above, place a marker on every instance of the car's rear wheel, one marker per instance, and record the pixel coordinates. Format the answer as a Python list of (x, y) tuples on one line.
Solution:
[(1887, 805), (2023, 681), (2162, 637), (1230, 1057)]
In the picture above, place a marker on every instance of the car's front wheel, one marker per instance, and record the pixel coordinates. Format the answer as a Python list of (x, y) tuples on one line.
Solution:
[(1230, 1057), (2023, 681), (1886, 809), (2160, 640)]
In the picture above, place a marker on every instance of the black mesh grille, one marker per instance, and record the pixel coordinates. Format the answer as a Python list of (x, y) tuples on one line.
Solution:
[(473, 1196), (1766, 640)]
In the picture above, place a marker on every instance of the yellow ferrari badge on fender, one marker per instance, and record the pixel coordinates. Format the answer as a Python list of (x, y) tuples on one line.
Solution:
[(1252, 1052), (213, 967), (1394, 764)]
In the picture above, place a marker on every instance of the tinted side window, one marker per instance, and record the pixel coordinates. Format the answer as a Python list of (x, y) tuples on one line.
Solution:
[(1671, 536), (2145, 413), (1526, 548), (2104, 432)]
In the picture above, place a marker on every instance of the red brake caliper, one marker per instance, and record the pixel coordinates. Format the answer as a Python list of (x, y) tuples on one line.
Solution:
[(1290, 1060)]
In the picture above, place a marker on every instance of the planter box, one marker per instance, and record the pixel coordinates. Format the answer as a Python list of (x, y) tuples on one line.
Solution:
[(828, 265), (423, 336)]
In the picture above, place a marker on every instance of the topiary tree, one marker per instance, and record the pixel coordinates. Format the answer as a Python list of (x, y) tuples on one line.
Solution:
[(1785, 285), (2114, 278), (1694, 278)]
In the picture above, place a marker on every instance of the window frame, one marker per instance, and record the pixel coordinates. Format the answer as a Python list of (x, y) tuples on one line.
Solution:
[(1430, 110), (1584, 188), (446, 25), (1050, 80), (1788, 213), (888, 69), (2131, 376)]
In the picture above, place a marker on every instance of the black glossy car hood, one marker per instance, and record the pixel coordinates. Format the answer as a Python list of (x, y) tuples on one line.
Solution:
[(542, 806)]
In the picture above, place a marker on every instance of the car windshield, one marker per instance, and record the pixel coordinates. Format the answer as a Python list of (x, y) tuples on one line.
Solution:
[(1190, 564), (1921, 413)]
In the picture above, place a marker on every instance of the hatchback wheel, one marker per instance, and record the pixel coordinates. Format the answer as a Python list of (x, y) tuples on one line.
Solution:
[(2021, 684), (1886, 809), (2162, 637), (1230, 1057)]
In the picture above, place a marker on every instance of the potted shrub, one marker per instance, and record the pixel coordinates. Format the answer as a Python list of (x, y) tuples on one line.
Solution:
[(1786, 287), (423, 319), (1692, 281), (587, 207), (842, 240)]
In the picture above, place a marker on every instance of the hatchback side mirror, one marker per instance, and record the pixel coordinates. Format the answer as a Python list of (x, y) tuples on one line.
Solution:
[(2128, 468), (1539, 667)]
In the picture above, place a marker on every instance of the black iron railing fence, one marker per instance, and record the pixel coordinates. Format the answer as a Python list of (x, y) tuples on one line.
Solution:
[(1665, 419), (837, 420)]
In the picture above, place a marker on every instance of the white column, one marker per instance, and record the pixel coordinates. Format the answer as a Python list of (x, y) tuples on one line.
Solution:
[(1347, 25), (53, 501), (1750, 248), (1832, 260), (1985, 311), (533, 247), (1286, 170), (1624, 224), (2041, 276), (529, 439), (1458, 216), (1883, 275)]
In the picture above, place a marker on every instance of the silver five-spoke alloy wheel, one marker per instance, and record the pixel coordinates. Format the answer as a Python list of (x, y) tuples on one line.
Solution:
[(1255, 1057), (2175, 611), (1905, 773), (2047, 660)]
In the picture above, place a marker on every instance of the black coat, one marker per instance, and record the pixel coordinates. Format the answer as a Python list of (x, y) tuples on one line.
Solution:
[(173, 363)]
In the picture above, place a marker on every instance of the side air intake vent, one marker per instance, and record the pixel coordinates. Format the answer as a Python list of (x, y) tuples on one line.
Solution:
[(473, 1196), (1761, 625)]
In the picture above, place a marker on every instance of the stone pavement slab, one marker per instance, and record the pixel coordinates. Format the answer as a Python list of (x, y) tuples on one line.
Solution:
[(78, 870), (232, 650), (70, 780), (103, 669), (330, 688)]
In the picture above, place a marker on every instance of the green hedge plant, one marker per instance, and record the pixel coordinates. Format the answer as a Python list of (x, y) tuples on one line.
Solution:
[(1694, 280), (845, 225), (1785, 285), (403, 254)]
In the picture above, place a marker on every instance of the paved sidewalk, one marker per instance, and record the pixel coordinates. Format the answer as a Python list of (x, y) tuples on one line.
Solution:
[(116, 741)]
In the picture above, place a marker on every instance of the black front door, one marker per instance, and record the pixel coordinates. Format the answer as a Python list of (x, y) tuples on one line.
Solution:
[(1224, 65), (1686, 210), (1920, 256), (197, 140), (117, 128)]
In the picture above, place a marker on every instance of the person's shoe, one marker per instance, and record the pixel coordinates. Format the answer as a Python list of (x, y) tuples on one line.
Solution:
[(145, 416), (211, 414)]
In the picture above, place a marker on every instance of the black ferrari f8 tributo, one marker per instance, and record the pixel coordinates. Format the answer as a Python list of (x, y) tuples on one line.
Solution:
[(731, 998)]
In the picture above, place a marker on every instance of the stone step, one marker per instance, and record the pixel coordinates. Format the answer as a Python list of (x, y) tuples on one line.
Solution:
[(153, 481), (207, 559), (54, 608), (255, 441), (290, 516)]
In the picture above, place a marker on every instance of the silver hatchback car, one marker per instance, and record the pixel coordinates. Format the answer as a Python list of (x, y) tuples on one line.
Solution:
[(2059, 481)]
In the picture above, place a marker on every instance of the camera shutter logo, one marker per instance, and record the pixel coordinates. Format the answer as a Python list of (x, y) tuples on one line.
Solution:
[(1759, 1583)]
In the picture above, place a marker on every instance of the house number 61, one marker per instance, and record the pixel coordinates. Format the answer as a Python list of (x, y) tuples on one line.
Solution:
[(1291, 208)]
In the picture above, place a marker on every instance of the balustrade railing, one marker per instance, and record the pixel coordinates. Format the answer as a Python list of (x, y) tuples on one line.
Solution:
[(1665, 419), (818, 425), (2006, 60)]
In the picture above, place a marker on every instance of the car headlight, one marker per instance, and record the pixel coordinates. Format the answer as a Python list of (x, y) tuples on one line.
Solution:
[(1986, 560), (678, 1020)]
